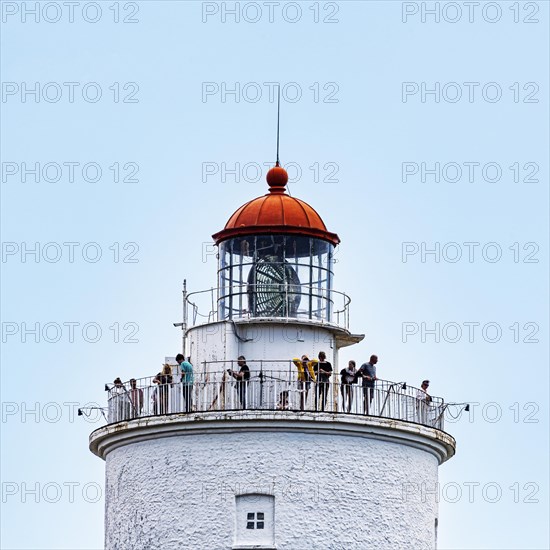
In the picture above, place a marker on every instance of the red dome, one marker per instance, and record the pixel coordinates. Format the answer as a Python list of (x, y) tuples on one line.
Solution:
[(278, 213)]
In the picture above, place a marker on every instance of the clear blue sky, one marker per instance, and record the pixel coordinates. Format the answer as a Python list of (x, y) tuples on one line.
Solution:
[(157, 115)]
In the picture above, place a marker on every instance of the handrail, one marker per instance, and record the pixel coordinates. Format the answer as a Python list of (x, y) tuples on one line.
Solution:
[(272, 390), (335, 298)]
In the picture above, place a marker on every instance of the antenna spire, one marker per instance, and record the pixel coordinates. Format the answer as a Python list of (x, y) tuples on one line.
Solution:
[(277, 177), (278, 119)]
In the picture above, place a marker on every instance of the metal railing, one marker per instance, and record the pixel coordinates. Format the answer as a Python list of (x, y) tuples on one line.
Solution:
[(272, 390), (232, 303)]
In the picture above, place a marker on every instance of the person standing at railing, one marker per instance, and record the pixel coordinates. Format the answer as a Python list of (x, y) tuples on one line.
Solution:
[(306, 375), (136, 398), (187, 380), (242, 377), (155, 394), (119, 394), (368, 374), (164, 380), (323, 372), (347, 378), (423, 401)]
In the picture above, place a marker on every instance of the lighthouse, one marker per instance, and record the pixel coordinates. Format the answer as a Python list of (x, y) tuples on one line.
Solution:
[(281, 457)]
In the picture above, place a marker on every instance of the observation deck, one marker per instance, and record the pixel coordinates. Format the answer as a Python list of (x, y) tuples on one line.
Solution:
[(273, 399)]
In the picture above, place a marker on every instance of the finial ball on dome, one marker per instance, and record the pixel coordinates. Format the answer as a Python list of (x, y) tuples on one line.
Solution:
[(277, 177)]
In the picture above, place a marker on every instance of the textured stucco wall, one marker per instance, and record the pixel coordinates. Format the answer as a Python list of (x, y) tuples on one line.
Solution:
[(331, 491)]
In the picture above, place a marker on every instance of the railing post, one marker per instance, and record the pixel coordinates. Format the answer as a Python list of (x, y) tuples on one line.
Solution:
[(436, 421), (212, 298), (261, 383), (386, 399)]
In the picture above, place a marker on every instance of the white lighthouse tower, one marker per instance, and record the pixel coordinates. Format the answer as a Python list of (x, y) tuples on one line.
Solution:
[(268, 463)]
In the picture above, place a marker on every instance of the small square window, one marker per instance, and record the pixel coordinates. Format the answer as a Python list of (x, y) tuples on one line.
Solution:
[(255, 525)]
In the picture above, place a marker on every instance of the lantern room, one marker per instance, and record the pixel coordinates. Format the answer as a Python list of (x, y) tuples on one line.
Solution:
[(275, 259)]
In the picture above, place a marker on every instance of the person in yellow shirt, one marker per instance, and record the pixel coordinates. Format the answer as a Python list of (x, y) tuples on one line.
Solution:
[(306, 375)]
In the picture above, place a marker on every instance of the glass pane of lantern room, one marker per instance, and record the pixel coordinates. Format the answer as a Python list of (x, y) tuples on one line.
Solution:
[(275, 276), (321, 279), (270, 279), (234, 264), (223, 275), (228, 274), (297, 254)]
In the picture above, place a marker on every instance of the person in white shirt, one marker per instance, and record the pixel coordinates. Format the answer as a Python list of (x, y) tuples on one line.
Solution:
[(422, 393), (424, 399), (119, 401)]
